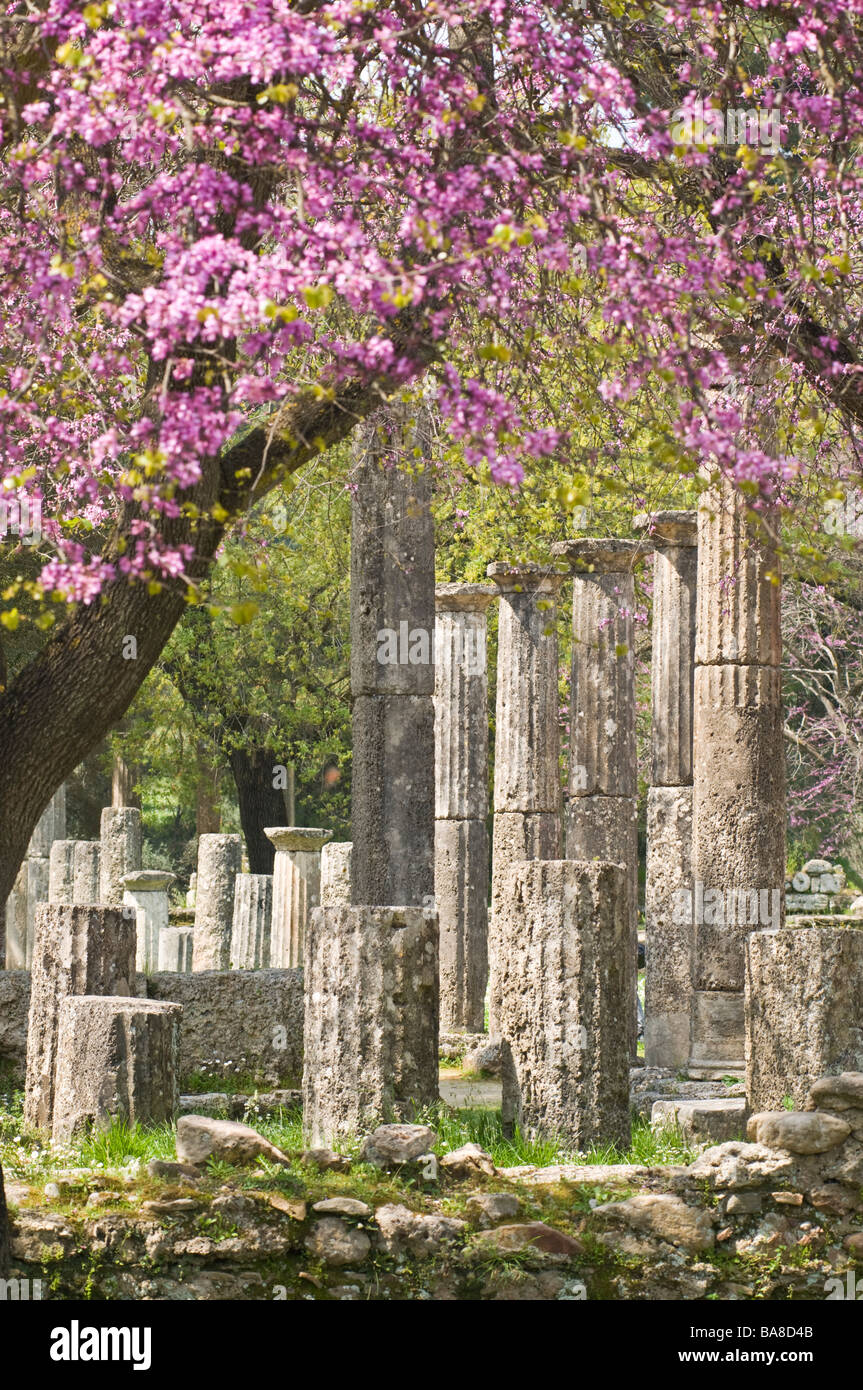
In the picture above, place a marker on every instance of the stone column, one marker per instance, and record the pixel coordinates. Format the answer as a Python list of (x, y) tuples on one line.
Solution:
[(602, 804), (175, 949), (78, 950), (527, 790), (669, 934), (219, 859), (392, 662), (461, 802), (253, 920), (121, 836), (371, 1009), (146, 893), (336, 873), (564, 1002), (738, 805), (34, 882), (804, 1011), (296, 889), (16, 922), (51, 826), (117, 1059), (86, 882), (61, 872)]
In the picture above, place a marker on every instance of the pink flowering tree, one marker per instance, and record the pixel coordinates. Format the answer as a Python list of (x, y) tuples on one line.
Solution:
[(229, 231)]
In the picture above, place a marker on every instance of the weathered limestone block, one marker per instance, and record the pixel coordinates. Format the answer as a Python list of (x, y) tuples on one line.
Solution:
[(51, 826), (703, 1121), (393, 799), (669, 931), (564, 1002), (78, 950), (219, 862), (175, 948), (61, 872), (336, 873), (738, 601), (738, 806), (253, 921), (461, 898), (602, 759), (85, 887), (116, 1060), (804, 1011), (371, 1018), (296, 889), (461, 701), (392, 556), (527, 735), (121, 835), (145, 893), (252, 1019)]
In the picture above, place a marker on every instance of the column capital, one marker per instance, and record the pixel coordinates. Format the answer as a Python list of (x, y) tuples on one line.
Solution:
[(669, 528), (601, 554), (513, 576), (297, 837), (464, 598), (147, 881)]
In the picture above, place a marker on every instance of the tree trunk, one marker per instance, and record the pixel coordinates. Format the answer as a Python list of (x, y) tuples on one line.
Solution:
[(261, 803), (65, 701)]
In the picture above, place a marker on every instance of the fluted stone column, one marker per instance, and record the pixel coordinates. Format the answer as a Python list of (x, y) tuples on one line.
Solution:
[(32, 885), (461, 802), (78, 950), (176, 946), (61, 872), (253, 921), (121, 834), (86, 882), (392, 662), (738, 807), (527, 791), (146, 894), (804, 1011), (336, 873), (564, 1002), (602, 805), (370, 1035), (669, 935), (296, 889), (219, 861)]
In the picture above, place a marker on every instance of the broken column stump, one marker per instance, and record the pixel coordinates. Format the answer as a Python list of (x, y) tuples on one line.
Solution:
[(564, 1002), (371, 1018), (78, 950), (117, 1059)]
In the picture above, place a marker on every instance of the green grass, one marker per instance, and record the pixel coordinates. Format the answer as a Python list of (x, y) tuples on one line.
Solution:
[(27, 1155)]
